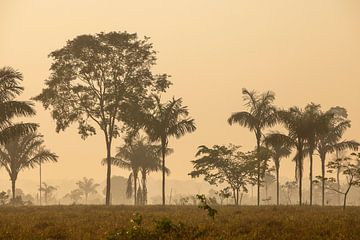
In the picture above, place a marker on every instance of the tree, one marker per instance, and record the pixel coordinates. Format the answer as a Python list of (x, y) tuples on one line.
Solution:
[(75, 195), (48, 190), (330, 141), (279, 146), (139, 156), (350, 167), (225, 164), (96, 80), (10, 108), (170, 119), (24, 152), (294, 121), (269, 179), (3, 197), (260, 115), (87, 186), (317, 123)]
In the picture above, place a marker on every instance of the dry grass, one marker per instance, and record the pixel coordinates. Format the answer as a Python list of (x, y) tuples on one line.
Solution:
[(179, 222)]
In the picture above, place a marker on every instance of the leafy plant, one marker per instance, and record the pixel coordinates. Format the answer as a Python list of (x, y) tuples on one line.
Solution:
[(203, 205)]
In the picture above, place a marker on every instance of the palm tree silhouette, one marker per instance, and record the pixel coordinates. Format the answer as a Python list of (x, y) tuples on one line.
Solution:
[(10, 108), (24, 152), (330, 141), (138, 156), (279, 146), (294, 121), (48, 190), (87, 186), (261, 114), (169, 119)]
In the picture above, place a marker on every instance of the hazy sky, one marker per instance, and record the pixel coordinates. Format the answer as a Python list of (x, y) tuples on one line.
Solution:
[(305, 51)]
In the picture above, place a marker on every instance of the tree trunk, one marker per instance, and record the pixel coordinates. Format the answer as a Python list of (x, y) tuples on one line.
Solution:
[(144, 187), (86, 198), (338, 185), (311, 177), (344, 204), (237, 197), (277, 186), (135, 187), (108, 172), (300, 174), (259, 170), (40, 186), (13, 188), (322, 157), (163, 170)]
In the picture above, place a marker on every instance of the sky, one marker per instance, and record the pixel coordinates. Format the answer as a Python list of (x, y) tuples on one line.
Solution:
[(305, 51)]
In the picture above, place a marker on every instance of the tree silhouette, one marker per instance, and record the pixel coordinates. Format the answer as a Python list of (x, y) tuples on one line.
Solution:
[(10, 108), (87, 186), (48, 190), (225, 164), (167, 120), (330, 141), (350, 167), (280, 147), (294, 121), (24, 152), (260, 115), (96, 80), (139, 156), (75, 195)]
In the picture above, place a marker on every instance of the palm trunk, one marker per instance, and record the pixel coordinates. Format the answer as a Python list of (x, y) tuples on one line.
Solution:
[(163, 170), (135, 187), (237, 197), (108, 171), (311, 177), (40, 186), (338, 184), (300, 165), (277, 186), (344, 204), (144, 188), (86, 198), (13, 188), (259, 171), (322, 157)]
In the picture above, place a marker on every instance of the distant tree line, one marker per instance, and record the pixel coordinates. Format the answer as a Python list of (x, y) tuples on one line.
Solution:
[(310, 131)]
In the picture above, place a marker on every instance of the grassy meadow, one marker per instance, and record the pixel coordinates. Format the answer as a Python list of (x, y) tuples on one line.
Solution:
[(179, 222)]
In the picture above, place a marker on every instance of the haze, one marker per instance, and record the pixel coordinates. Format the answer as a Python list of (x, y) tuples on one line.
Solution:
[(305, 51)]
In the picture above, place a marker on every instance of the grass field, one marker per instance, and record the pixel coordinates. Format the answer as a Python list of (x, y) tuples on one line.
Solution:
[(179, 222)]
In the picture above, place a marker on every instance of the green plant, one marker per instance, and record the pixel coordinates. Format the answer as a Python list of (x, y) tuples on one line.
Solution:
[(203, 205)]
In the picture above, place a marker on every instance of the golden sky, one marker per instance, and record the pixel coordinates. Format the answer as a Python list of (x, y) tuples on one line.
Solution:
[(305, 51)]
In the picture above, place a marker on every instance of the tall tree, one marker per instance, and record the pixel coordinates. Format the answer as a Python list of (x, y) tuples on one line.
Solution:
[(280, 147), (331, 140), (96, 79), (294, 121), (24, 152), (170, 119), (87, 186), (10, 108), (260, 115), (317, 123)]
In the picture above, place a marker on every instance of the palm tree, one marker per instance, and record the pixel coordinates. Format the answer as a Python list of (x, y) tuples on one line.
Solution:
[(9, 108), (330, 141), (48, 190), (280, 147), (24, 152), (168, 119), (316, 124), (260, 115), (294, 121), (138, 156), (87, 186)]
